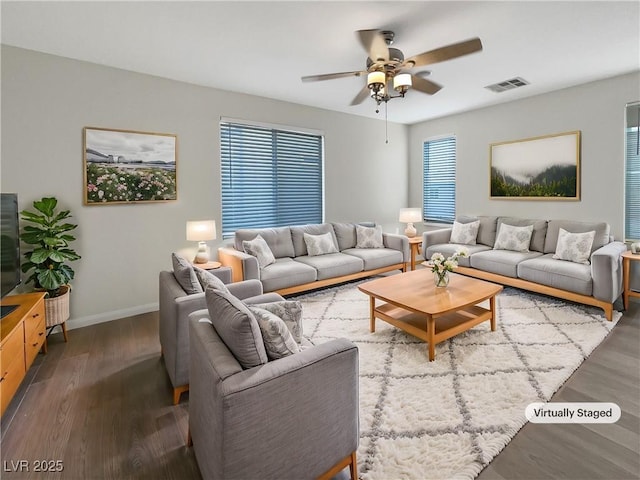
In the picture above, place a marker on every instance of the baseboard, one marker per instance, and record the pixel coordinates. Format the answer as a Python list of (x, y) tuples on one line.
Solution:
[(79, 322)]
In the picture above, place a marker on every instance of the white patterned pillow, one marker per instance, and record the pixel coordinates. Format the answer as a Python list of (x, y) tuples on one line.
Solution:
[(290, 311), (278, 341), (465, 233), (574, 247), (369, 237), (320, 244), (259, 248), (513, 238)]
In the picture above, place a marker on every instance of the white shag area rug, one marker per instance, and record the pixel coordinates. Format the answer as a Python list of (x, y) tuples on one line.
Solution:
[(448, 418)]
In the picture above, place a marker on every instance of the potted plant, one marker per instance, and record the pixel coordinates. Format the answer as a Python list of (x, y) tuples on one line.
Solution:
[(49, 235)]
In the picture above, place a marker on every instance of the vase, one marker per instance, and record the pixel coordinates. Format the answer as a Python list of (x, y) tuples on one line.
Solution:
[(441, 279)]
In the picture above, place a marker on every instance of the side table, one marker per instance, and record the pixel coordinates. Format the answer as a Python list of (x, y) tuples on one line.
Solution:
[(627, 258), (414, 245), (223, 273)]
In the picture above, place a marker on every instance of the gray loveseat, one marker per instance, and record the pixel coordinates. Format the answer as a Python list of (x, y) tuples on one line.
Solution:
[(597, 283), (294, 270)]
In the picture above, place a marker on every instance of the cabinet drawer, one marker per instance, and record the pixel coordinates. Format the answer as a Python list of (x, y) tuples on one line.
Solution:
[(34, 343), (12, 375), (12, 347), (33, 319)]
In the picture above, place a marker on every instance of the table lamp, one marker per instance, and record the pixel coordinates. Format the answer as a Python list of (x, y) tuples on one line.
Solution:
[(200, 231), (408, 216)]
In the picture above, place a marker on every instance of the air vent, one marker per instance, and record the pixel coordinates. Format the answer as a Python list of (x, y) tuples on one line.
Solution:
[(507, 85)]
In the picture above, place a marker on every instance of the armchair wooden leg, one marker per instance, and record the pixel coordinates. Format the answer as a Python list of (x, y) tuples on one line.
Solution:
[(348, 461), (353, 468), (189, 439), (179, 391)]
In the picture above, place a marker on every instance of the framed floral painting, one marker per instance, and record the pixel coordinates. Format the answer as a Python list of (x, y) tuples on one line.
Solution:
[(125, 166)]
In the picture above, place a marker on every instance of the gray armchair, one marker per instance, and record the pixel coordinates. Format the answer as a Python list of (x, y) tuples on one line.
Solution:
[(291, 418), (175, 306)]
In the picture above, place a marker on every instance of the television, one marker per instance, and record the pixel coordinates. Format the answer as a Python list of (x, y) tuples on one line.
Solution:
[(9, 247)]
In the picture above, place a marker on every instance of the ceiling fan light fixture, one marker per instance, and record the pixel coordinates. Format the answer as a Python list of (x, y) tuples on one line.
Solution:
[(402, 83), (376, 80)]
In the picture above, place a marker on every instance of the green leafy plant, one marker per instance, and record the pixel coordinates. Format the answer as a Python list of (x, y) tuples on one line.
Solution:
[(50, 239)]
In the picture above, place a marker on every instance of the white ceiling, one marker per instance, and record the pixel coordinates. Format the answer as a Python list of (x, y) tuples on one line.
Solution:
[(263, 48)]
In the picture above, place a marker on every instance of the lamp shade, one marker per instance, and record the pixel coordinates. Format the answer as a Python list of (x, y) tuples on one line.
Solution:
[(376, 78), (201, 230), (410, 215), (402, 81)]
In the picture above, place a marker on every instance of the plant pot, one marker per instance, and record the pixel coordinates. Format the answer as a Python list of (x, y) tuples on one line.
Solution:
[(57, 308)]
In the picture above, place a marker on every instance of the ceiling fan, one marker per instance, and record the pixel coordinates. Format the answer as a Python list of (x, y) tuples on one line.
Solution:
[(386, 67)]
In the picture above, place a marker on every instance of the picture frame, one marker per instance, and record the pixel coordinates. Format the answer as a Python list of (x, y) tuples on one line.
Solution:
[(537, 168), (128, 166)]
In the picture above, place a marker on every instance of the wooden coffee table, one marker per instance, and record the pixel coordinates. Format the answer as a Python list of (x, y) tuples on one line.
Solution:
[(415, 305)]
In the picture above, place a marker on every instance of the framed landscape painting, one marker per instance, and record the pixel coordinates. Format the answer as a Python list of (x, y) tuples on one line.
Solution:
[(538, 168), (124, 166)]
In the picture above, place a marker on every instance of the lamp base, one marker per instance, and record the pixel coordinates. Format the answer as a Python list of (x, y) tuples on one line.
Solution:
[(410, 231), (202, 256)]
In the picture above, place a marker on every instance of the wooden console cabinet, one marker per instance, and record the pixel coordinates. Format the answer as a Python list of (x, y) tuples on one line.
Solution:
[(22, 335)]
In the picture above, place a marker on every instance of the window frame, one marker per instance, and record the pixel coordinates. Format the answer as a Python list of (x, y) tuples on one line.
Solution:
[(425, 217)]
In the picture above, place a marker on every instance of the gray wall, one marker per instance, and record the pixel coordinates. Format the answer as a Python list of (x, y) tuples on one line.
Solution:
[(47, 100), (597, 109)]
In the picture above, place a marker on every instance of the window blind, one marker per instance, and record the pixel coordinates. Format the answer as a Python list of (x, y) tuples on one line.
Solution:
[(439, 180), (632, 186), (270, 177)]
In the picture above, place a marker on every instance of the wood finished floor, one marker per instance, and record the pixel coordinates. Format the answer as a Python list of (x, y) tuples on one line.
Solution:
[(102, 405)]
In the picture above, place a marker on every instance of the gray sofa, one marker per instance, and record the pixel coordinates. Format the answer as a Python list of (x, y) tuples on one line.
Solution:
[(291, 418), (295, 270), (175, 305), (598, 283)]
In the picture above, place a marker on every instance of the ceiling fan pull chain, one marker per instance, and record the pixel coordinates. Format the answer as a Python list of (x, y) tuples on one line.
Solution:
[(386, 124)]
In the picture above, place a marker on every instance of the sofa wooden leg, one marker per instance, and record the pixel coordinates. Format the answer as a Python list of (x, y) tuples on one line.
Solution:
[(179, 391), (353, 468), (189, 439), (348, 461)]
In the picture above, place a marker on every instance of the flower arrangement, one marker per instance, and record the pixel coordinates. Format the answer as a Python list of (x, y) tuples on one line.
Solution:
[(441, 266)]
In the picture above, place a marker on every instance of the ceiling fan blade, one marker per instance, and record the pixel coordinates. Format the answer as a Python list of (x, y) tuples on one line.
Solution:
[(423, 85), (331, 76), (361, 96), (444, 53), (374, 44)]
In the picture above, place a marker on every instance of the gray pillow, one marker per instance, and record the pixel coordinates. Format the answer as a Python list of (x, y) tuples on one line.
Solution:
[(369, 237), (290, 311), (574, 247), (513, 238), (237, 327), (320, 244), (185, 275), (278, 341), (259, 248), (207, 279), (465, 233)]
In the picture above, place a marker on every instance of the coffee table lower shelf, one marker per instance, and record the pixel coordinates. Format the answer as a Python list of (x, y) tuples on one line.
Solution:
[(426, 328)]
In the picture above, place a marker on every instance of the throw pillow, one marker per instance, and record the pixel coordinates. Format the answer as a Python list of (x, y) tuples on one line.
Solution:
[(290, 311), (574, 247), (185, 275), (259, 248), (237, 327), (513, 238), (208, 279), (369, 237), (465, 233), (320, 244), (278, 341)]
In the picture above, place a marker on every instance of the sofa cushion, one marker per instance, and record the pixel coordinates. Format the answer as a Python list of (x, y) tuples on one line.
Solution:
[(376, 257), (448, 249), (345, 234), (545, 270), (513, 238), (320, 244), (185, 275), (574, 247), (332, 264), (259, 248), (465, 233), (502, 262), (206, 279), (286, 272), (278, 239), (486, 230), (539, 230), (290, 311), (237, 327), (297, 236), (369, 237), (278, 341), (601, 238)]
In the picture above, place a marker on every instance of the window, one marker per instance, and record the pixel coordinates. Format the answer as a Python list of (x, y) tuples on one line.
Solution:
[(439, 180), (270, 177), (632, 175)]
